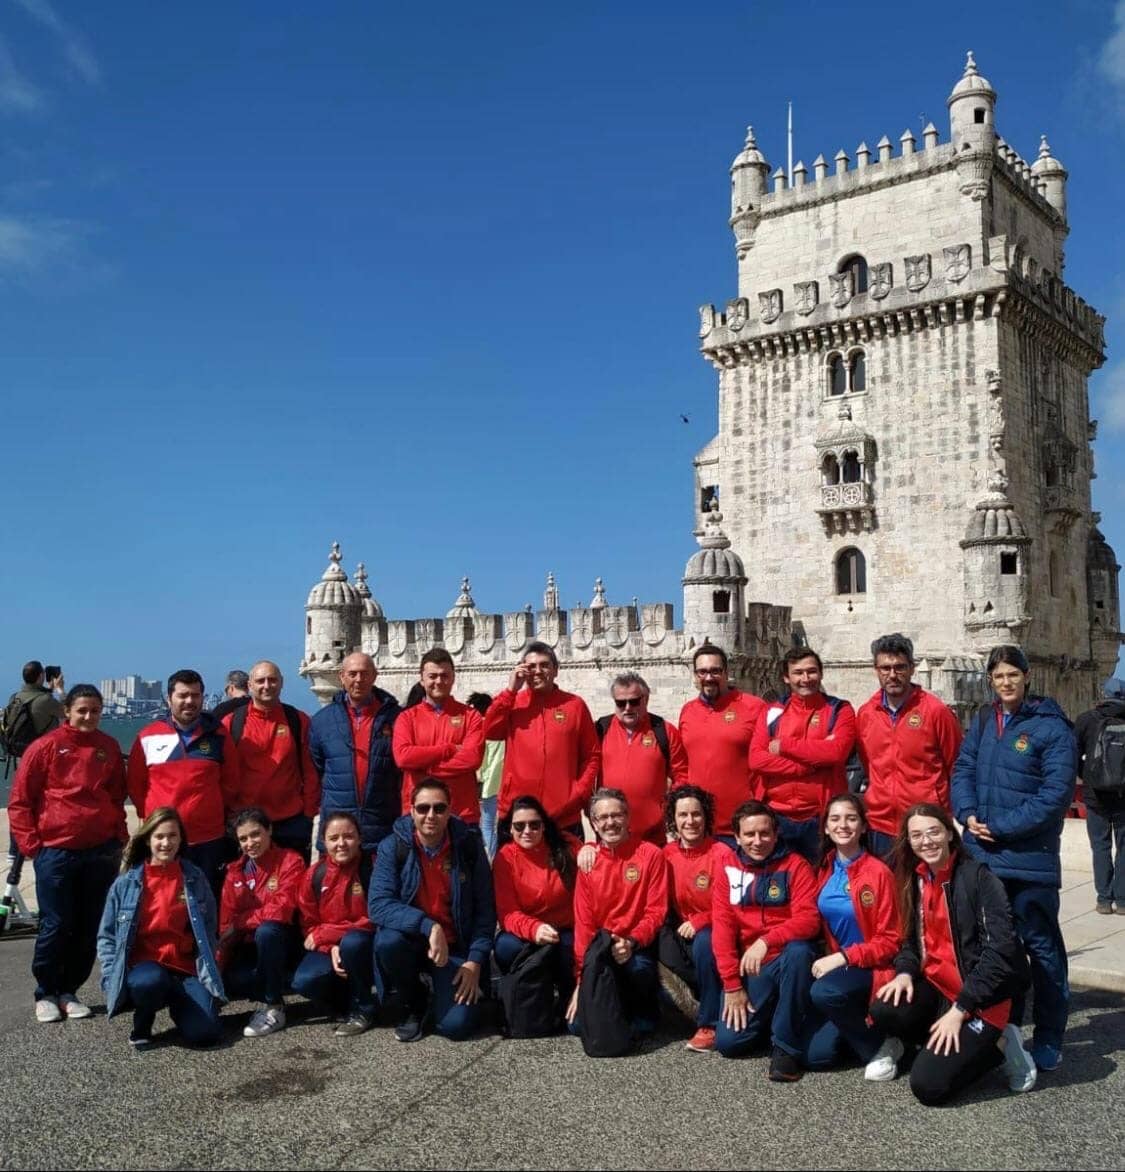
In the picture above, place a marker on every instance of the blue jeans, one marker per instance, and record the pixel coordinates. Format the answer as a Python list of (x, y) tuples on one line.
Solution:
[(295, 833), (780, 997), (194, 1011), (1105, 828), (210, 858), (1035, 910), (71, 887), (402, 960), (801, 837), (316, 979), (259, 969), (841, 999), (693, 961), (488, 824), (506, 947)]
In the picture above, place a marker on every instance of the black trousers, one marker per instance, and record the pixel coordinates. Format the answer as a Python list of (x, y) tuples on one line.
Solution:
[(938, 1077)]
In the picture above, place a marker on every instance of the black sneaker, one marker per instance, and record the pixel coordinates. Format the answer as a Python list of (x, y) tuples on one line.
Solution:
[(412, 1028), (140, 1039), (783, 1067), (357, 1023)]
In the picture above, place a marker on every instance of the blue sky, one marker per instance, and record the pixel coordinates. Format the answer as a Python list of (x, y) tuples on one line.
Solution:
[(423, 279)]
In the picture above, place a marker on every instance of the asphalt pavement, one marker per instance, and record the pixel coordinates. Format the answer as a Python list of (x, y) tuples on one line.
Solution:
[(76, 1096)]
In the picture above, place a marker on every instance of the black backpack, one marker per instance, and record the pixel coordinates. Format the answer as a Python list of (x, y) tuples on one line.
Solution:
[(1104, 769), (292, 718), (17, 728), (321, 869), (658, 731), (605, 1028), (527, 993)]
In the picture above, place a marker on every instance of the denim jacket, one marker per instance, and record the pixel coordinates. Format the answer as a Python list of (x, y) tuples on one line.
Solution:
[(119, 927)]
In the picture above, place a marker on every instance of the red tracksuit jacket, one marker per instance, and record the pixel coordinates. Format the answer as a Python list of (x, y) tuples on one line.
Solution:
[(908, 760), (716, 738), (799, 781), (774, 900), (636, 766), (873, 897), (529, 892), (448, 745), (690, 876), (199, 781), (626, 893), (341, 907), (269, 894), (274, 774), (551, 752), (68, 792)]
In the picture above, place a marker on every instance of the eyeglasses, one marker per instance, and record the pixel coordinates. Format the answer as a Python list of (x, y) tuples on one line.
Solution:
[(610, 818), (1006, 677), (431, 808), (893, 669), (936, 835), (704, 672), (630, 702), (531, 825)]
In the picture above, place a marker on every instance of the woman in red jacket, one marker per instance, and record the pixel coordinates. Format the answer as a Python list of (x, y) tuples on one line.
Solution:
[(67, 814), (258, 941), (533, 876), (685, 939), (338, 967), (856, 901)]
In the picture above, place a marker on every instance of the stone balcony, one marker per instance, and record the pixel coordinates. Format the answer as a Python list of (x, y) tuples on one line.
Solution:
[(847, 508)]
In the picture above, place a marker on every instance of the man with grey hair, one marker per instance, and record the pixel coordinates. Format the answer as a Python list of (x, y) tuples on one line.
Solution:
[(908, 741), (237, 692), (640, 752)]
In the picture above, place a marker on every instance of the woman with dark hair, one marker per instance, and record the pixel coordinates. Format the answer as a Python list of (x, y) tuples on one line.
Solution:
[(338, 967), (959, 965), (257, 937), (684, 944), (156, 943), (67, 814), (856, 901), (533, 876), (1012, 786)]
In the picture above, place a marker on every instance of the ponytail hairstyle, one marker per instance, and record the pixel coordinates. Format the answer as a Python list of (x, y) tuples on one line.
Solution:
[(559, 857)]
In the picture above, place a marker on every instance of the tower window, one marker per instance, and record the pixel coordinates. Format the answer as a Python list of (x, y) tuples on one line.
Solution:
[(830, 470), (1053, 574), (721, 601), (708, 497), (308, 624), (1009, 563), (851, 572), (851, 468), (978, 116), (857, 371), (858, 268), (837, 375)]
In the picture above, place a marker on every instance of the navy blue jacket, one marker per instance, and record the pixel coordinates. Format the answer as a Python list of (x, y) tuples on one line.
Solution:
[(1020, 785), (333, 753), (398, 875)]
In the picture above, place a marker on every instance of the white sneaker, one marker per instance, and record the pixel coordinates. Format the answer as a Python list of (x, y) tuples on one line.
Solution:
[(1019, 1066), (72, 1007), (266, 1021), (47, 1009), (884, 1066)]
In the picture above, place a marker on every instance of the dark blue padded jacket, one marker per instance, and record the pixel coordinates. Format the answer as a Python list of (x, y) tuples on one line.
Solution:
[(1020, 784)]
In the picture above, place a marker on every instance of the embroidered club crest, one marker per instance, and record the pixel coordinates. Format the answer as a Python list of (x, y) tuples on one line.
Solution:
[(1022, 744), (773, 891), (632, 873), (914, 720), (560, 716), (867, 897), (204, 746), (182, 897), (281, 730), (271, 883), (447, 866), (357, 888), (814, 720), (100, 754), (729, 716), (456, 721), (648, 740), (703, 880)]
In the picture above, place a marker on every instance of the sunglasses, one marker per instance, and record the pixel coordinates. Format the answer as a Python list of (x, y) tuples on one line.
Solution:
[(631, 702), (431, 808), (533, 824)]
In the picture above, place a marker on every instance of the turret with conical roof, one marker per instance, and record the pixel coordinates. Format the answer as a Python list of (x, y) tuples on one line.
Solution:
[(749, 182), (714, 589), (972, 130), (1052, 177), (332, 616)]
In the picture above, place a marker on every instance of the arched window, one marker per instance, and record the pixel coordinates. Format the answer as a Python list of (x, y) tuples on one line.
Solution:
[(857, 371), (830, 470), (720, 601), (851, 572), (837, 375), (851, 468), (858, 267)]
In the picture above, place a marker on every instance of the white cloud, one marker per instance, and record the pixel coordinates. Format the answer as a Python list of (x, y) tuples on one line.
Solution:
[(74, 46), (35, 246), (1109, 397), (17, 94), (1111, 60)]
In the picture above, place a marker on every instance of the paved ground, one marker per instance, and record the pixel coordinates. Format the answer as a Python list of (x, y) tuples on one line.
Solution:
[(76, 1096)]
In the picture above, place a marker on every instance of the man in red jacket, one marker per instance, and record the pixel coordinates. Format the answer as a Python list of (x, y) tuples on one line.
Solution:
[(908, 742), (187, 762), (799, 752), (764, 922), (716, 729), (440, 737), (640, 753), (551, 749), (626, 893), (276, 773)]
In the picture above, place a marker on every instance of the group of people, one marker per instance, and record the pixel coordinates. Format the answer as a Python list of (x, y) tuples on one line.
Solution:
[(731, 867)]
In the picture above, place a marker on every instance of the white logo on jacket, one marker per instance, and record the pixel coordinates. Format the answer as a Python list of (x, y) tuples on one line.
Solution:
[(739, 882), (159, 747)]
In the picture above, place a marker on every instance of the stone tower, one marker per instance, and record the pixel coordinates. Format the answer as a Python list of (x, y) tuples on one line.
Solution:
[(904, 432), (714, 590), (333, 615)]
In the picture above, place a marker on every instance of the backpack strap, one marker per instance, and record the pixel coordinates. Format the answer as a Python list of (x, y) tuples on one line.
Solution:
[(293, 719), (835, 704), (660, 731), (238, 722), (601, 725), (319, 871)]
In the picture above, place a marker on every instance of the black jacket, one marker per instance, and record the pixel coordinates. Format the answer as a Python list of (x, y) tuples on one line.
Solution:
[(989, 954)]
